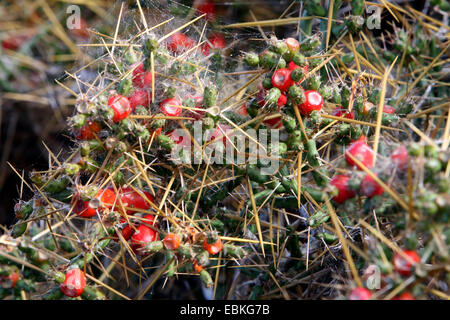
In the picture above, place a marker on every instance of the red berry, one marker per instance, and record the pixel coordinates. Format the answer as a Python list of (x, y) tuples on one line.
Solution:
[(216, 41), (179, 42), (400, 157), (223, 131), (360, 294), (14, 42), (83, 209), (242, 110), (361, 151), (127, 231), (157, 132), (403, 265), (180, 138), (147, 80), (208, 8), (292, 44), (339, 112), (292, 65), (133, 199), (260, 96), (148, 220), (197, 267), (107, 197), (281, 79), (141, 237), (213, 248), (9, 281), (138, 75), (88, 130), (313, 101), (282, 100), (74, 283), (370, 188), (139, 98), (14, 277), (404, 296), (344, 192), (171, 241), (142, 79), (274, 123), (170, 107), (121, 106), (361, 138), (388, 109), (81, 32)]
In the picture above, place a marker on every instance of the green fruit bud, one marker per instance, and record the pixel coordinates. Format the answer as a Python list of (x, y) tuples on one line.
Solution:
[(251, 59), (431, 151), (85, 149), (57, 185), (208, 122), (158, 123), (279, 47), (268, 59), (314, 82), (272, 96), (415, 149), (209, 97), (297, 94), (357, 7), (358, 104), (354, 24), (165, 142), (53, 294), (92, 293), (327, 237), (78, 120), (186, 250), (19, 229), (299, 60), (267, 83), (289, 123), (347, 58), (37, 179), (281, 63), (125, 86), (23, 209), (310, 44), (234, 251), (154, 246), (318, 218), (326, 92), (297, 74), (203, 258), (433, 165), (71, 169), (206, 278), (151, 45), (59, 277)]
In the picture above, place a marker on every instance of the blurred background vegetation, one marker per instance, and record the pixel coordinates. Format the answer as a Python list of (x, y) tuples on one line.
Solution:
[(38, 48)]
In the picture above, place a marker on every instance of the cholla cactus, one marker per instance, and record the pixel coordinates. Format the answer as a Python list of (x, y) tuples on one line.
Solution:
[(155, 180)]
